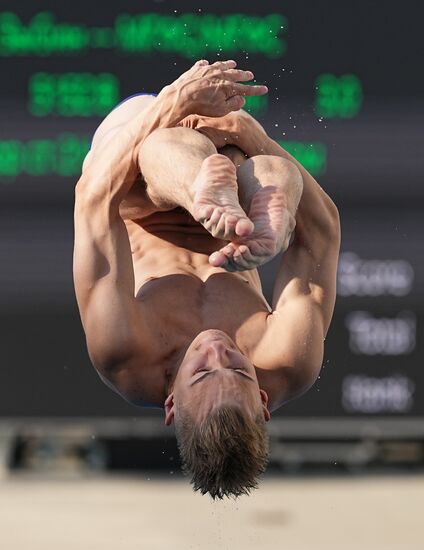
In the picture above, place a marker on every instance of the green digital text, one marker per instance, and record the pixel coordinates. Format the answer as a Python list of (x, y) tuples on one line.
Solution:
[(72, 94), (312, 156), (338, 96), (62, 155), (189, 35)]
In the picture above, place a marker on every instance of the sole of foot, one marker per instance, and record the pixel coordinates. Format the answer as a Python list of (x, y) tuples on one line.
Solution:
[(216, 204), (273, 227)]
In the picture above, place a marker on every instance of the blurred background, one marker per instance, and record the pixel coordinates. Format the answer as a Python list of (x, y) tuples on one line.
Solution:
[(346, 89)]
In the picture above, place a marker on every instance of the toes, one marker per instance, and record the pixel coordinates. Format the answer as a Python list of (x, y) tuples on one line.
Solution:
[(234, 257), (244, 227), (228, 226), (222, 258), (243, 259), (203, 214), (213, 221), (217, 259)]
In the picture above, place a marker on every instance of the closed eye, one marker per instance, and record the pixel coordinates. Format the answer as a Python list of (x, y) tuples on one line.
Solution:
[(206, 372), (201, 369)]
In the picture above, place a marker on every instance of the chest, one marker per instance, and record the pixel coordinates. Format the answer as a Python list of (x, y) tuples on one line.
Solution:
[(183, 302)]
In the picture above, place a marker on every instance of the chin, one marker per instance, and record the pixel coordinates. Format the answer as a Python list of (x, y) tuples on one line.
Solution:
[(212, 333)]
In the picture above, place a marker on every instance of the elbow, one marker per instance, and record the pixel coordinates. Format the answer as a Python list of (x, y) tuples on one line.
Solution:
[(303, 379), (332, 221), (333, 213)]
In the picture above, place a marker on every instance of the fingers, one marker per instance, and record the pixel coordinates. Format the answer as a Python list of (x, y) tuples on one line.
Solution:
[(225, 65), (243, 89), (237, 75)]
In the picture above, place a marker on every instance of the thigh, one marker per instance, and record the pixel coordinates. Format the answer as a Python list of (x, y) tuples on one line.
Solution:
[(137, 205)]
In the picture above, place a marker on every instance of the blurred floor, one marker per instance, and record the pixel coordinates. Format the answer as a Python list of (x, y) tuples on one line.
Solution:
[(111, 513)]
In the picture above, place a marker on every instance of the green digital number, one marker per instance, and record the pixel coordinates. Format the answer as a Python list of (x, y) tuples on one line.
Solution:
[(313, 156), (338, 96), (73, 94), (63, 155)]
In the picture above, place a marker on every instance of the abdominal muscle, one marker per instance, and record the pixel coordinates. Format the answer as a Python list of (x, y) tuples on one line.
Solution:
[(173, 243)]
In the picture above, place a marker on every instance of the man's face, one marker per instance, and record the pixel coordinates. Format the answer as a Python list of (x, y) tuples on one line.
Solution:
[(214, 372)]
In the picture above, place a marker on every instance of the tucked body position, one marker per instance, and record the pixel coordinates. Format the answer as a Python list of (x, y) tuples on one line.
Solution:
[(182, 197)]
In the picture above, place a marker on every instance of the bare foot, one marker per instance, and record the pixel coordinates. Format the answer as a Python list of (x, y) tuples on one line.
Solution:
[(216, 204), (273, 227)]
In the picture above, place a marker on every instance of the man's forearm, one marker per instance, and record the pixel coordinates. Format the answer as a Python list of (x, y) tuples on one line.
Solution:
[(114, 166)]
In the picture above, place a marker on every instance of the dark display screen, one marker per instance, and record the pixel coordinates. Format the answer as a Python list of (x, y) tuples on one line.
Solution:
[(346, 97)]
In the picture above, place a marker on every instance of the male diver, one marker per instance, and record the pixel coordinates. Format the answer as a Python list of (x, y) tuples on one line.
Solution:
[(182, 196)]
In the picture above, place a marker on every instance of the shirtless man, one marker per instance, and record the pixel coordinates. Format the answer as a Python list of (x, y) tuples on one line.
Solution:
[(181, 197)]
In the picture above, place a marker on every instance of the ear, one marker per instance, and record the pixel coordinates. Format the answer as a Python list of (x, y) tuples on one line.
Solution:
[(264, 398), (169, 409)]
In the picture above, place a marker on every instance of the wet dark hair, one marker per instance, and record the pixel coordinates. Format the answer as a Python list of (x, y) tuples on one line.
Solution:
[(224, 454)]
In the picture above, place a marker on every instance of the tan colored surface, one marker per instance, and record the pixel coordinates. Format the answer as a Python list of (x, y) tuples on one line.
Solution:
[(132, 513)]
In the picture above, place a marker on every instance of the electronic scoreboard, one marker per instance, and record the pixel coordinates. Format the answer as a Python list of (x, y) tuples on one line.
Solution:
[(345, 97)]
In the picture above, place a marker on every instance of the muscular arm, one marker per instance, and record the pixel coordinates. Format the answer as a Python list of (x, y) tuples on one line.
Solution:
[(103, 270), (317, 238), (305, 289)]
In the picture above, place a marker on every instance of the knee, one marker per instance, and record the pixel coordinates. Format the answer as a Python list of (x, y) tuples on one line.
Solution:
[(177, 137)]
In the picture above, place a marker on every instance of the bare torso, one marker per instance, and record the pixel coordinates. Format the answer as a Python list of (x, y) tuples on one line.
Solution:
[(182, 294)]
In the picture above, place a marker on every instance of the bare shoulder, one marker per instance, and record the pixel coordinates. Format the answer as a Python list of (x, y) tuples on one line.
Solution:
[(119, 116)]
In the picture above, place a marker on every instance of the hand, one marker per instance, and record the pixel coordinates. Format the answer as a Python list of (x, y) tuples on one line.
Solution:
[(214, 90), (236, 128)]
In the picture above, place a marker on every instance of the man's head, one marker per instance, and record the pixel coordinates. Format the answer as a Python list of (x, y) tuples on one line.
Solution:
[(219, 413)]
